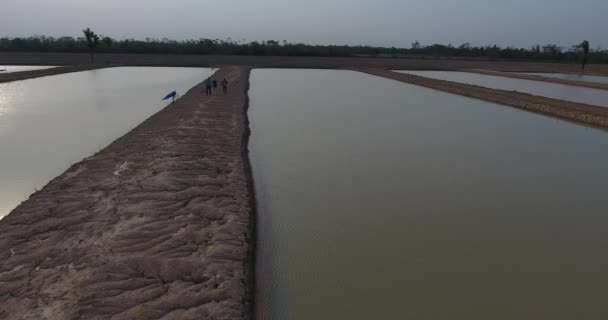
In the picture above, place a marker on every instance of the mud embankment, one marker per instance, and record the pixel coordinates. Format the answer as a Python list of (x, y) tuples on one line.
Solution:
[(577, 112), (158, 225), (24, 75)]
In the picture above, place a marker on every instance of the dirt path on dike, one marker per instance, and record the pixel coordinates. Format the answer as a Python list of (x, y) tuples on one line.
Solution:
[(590, 115), (158, 225)]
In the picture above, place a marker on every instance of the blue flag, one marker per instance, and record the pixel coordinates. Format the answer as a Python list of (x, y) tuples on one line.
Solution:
[(170, 95)]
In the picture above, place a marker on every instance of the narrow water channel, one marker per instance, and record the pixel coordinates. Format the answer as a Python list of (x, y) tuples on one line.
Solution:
[(383, 200), (48, 123), (567, 76), (9, 69), (552, 90)]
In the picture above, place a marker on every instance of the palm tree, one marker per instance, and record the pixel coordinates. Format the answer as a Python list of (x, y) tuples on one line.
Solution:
[(585, 46), (92, 42)]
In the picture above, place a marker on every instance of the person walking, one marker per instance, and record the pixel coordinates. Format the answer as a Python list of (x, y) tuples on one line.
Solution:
[(225, 86), (214, 84), (208, 85)]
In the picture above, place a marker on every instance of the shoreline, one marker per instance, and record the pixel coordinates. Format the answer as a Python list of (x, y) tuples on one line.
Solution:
[(173, 60), (159, 223), (252, 253)]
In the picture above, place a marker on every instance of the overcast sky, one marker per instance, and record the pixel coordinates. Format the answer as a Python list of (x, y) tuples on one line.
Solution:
[(520, 23)]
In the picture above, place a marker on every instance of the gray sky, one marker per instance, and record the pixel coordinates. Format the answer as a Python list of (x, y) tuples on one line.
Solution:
[(521, 23)]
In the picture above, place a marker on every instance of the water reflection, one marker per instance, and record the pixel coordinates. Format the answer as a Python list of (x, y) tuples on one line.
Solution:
[(48, 123)]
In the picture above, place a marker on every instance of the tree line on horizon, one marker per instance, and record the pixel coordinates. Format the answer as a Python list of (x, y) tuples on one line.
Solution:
[(92, 43)]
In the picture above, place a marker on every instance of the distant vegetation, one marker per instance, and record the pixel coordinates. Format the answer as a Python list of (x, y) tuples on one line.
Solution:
[(92, 43)]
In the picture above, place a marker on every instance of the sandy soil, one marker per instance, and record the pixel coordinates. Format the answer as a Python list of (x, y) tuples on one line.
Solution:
[(158, 225), (576, 112), (579, 83), (37, 58)]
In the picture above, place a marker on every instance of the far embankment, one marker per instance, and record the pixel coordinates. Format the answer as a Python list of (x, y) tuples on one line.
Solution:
[(577, 112), (37, 58), (31, 74)]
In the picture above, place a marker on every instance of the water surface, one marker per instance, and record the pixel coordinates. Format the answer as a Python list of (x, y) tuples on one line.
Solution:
[(9, 69), (539, 88), (48, 123), (579, 77), (392, 201)]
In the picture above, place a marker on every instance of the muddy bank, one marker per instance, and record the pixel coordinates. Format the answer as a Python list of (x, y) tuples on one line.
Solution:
[(578, 83), (576, 112), (24, 75), (156, 225), (37, 58)]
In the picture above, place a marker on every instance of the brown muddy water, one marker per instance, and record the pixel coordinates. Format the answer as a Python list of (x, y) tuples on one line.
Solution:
[(48, 123), (551, 90), (383, 200)]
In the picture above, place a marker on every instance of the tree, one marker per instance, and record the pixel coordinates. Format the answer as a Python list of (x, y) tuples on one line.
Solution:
[(92, 42), (416, 45), (585, 46), (107, 41)]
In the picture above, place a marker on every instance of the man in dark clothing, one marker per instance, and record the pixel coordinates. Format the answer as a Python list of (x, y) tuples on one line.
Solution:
[(208, 85), (225, 86), (214, 85)]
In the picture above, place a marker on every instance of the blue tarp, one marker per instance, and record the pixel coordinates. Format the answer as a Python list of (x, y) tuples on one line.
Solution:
[(170, 95)]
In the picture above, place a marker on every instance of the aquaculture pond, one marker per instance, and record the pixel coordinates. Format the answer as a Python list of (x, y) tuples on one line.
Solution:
[(383, 200), (48, 123)]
